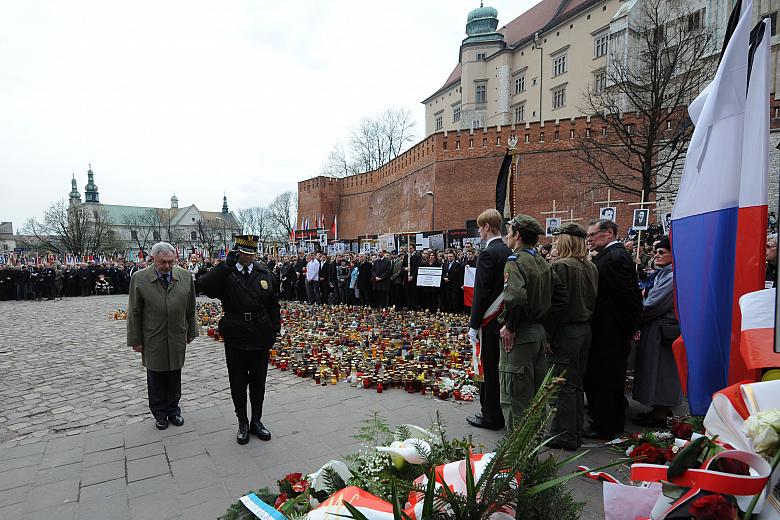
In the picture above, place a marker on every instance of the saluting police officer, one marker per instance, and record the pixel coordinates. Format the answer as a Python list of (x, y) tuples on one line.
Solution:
[(531, 291), (249, 325)]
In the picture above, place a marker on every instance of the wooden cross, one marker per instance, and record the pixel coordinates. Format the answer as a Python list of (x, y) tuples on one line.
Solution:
[(609, 202), (554, 212), (571, 217), (642, 203)]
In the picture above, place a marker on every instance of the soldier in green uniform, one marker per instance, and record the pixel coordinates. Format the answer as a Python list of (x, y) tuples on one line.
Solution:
[(531, 291), (569, 332)]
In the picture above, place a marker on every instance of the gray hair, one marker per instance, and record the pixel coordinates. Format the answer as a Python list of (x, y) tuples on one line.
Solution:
[(772, 238), (162, 247)]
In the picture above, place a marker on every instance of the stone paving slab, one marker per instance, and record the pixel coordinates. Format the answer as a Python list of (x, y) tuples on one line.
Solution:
[(76, 438)]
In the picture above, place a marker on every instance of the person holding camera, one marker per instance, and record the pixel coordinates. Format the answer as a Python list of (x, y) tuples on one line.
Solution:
[(249, 325)]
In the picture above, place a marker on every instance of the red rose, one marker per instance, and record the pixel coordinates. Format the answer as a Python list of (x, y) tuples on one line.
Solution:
[(682, 430), (645, 453), (300, 486), (292, 478), (281, 499), (712, 507), (733, 466), (668, 454)]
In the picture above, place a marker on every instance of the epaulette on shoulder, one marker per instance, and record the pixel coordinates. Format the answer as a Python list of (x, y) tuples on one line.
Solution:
[(512, 257)]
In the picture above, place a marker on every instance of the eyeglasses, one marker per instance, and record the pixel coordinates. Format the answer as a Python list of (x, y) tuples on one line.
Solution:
[(591, 235)]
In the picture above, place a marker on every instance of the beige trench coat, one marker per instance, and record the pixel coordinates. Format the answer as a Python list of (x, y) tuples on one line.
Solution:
[(162, 320)]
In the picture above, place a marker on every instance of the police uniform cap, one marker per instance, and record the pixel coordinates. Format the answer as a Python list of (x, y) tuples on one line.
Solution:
[(527, 223), (570, 228), (246, 243)]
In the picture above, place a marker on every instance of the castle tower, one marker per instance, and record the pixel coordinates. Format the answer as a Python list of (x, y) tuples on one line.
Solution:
[(74, 197), (91, 189), (224, 205), (174, 202)]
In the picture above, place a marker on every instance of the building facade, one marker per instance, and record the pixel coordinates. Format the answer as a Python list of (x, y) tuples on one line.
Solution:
[(539, 66), (137, 228)]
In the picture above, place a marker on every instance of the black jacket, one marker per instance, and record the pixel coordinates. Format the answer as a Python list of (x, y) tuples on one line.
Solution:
[(454, 275), (488, 283), (382, 268), (258, 294), (618, 300), (364, 276)]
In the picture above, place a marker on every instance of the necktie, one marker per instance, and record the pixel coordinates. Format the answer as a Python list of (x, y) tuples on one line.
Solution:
[(246, 272), (164, 281)]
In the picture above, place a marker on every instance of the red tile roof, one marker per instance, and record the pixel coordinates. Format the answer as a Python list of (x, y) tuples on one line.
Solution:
[(543, 14)]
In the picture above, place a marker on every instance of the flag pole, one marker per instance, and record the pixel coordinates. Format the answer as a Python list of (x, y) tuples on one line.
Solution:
[(777, 300)]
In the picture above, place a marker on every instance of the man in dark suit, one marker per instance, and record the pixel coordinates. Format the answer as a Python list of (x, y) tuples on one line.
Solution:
[(364, 279), (300, 278), (452, 285), (614, 322), (380, 273), (488, 287)]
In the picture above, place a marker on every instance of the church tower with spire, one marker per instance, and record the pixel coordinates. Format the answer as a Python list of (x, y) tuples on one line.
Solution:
[(91, 190), (74, 197), (224, 205)]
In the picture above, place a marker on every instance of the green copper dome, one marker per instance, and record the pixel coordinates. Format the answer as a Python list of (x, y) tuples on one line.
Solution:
[(74, 194), (91, 189), (481, 25)]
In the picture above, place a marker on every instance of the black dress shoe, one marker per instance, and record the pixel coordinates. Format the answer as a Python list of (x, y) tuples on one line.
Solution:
[(162, 423), (558, 445), (480, 422), (590, 433), (650, 422), (242, 437), (176, 420), (261, 431)]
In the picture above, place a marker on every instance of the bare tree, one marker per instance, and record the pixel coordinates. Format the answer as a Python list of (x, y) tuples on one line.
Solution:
[(209, 234), (257, 221), (338, 163), (160, 221), (282, 213), (373, 142), (78, 230), (140, 231), (641, 130)]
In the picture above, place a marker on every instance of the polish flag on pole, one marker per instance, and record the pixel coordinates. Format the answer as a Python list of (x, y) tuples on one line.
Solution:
[(719, 218), (468, 285), (334, 228)]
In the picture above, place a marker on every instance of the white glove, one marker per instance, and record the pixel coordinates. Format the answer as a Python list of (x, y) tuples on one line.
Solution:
[(473, 336)]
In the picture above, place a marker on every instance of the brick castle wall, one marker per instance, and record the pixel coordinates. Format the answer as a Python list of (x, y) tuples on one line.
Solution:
[(461, 169)]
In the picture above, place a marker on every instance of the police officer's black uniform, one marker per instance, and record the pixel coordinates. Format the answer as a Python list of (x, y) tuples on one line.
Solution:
[(249, 325)]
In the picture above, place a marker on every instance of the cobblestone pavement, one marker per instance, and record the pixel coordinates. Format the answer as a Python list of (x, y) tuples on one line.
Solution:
[(77, 439)]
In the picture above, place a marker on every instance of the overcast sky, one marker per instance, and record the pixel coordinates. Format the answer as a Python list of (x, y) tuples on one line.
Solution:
[(194, 97)]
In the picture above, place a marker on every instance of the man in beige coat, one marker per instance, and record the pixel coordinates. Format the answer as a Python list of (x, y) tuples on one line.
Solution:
[(161, 323)]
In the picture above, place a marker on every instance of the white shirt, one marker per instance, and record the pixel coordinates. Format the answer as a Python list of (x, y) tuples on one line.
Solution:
[(313, 270), (240, 268), (491, 239)]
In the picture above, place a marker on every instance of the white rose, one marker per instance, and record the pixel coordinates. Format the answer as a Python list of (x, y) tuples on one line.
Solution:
[(762, 433)]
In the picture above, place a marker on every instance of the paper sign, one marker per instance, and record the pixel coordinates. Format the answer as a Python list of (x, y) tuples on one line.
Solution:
[(429, 277), (260, 509)]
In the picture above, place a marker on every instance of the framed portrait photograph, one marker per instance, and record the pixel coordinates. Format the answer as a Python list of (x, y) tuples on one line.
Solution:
[(608, 213), (551, 224), (667, 223), (641, 219)]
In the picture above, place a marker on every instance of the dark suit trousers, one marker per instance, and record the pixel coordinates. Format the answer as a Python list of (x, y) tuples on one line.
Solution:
[(247, 368), (489, 392), (164, 389), (605, 382)]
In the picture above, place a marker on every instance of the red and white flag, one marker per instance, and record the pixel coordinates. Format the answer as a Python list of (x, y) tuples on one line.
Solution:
[(468, 285)]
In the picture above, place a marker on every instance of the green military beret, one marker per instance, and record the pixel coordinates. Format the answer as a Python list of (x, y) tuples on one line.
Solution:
[(570, 228), (528, 223)]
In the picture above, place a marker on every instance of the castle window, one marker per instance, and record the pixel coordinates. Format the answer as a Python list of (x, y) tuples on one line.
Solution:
[(600, 82), (481, 56), (600, 46), (457, 145), (541, 137), (445, 145), (439, 121), (557, 135), (480, 93), (571, 134), (559, 97), (456, 114), (471, 143), (604, 131), (484, 141), (156, 235), (134, 235), (559, 65), (193, 236), (520, 84), (527, 138), (520, 114)]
